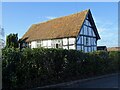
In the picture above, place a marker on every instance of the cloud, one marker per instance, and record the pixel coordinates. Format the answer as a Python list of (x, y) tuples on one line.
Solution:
[(50, 17), (45, 18)]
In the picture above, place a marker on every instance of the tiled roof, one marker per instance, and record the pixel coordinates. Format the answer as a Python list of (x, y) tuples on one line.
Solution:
[(67, 26), (113, 49)]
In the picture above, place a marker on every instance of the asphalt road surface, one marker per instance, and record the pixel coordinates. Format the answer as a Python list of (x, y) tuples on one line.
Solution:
[(111, 81)]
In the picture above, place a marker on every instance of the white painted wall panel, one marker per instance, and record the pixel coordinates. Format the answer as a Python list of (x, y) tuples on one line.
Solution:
[(65, 42), (65, 47), (45, 43), (33, 44), (49, 43), (72, 47), (71, 40)]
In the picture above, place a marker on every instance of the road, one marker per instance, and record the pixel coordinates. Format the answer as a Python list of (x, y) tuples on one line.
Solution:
[(111, 81)]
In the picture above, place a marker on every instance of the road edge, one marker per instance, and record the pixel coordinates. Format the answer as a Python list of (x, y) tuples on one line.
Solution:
[(75, 82)]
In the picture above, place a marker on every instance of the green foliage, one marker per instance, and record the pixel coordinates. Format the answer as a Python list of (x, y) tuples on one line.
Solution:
[(11, 58), (12, 41), (28, 68)]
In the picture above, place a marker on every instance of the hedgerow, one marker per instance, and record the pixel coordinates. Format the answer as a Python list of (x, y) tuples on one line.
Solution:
[(29, 68)]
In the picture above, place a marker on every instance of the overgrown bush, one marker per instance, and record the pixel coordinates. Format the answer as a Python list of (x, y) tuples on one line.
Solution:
[(38, 67)]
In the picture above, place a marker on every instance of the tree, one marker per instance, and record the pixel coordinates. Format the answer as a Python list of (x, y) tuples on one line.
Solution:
[(12, 41)]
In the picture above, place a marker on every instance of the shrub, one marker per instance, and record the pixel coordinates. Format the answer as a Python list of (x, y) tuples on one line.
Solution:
[(30, 68)]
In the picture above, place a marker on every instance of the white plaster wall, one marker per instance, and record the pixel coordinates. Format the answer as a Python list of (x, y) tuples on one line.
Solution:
[(49, 43), (45, 43), (65, 42), (33, 44), (72, 47), (52, 43), (65, 47), (71, 40)]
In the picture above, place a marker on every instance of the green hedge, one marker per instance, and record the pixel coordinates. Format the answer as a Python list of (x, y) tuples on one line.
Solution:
[(31, 68)]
